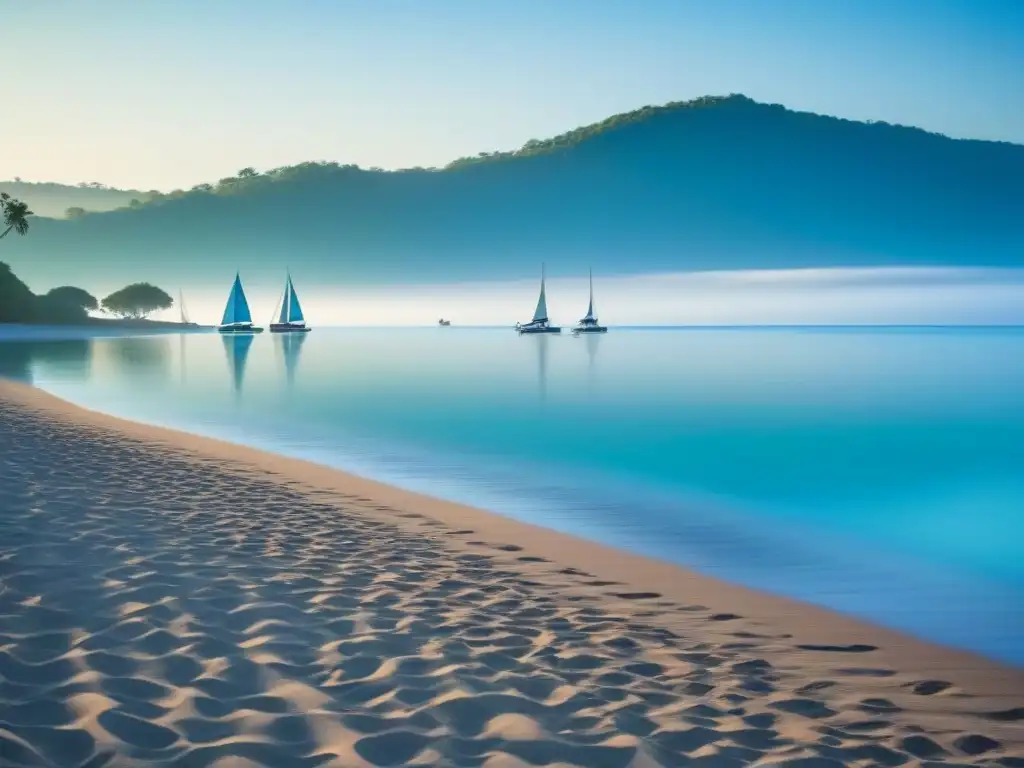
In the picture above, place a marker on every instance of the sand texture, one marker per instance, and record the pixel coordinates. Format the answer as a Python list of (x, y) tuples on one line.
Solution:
[(167, 600)]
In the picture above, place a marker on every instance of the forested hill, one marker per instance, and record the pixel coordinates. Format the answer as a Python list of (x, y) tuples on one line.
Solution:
[(57, 200), (716, 183)]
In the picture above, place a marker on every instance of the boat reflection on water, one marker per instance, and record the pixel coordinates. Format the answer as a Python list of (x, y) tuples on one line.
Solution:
[(290, 345), (593, 342), (542, 341), (236, 347)]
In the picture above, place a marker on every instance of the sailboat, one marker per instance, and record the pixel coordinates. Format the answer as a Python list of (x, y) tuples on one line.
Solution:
[(290, 319), (540, 323), (589, 323), (182, 310), (237, 318)]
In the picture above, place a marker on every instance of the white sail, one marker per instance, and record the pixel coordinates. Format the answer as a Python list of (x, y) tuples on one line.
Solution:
[(181, 308), (541, 313), (282, 316), (290, 311)]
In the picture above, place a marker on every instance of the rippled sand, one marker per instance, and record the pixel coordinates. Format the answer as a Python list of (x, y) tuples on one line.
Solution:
[(169, 600)]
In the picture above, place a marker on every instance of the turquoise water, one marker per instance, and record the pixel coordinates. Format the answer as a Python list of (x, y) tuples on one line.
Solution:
[(879, 472)]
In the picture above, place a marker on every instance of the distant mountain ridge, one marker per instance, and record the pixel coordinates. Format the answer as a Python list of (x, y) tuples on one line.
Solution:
[(715, 183), (53, 200)]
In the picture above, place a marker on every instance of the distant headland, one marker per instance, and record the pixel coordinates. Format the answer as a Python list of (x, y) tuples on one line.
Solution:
[(713, 183), (70, 306)]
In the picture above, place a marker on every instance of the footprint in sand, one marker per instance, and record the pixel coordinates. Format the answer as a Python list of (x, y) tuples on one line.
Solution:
[(1006, 715), (855, 648), (930, 687), (635, 595)]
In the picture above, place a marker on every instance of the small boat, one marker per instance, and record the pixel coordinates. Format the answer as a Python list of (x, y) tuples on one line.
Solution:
[(290, 319), (444, 322), (589, 323), (182, 310), (540, 323), (237, 318)]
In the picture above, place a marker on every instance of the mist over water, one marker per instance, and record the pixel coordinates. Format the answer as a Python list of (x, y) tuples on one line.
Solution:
[(882, 296), (879, 472)]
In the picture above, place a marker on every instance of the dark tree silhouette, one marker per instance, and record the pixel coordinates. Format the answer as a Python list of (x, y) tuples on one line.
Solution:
[(136, 301), (73, 296), (15, 215), (74, 212)]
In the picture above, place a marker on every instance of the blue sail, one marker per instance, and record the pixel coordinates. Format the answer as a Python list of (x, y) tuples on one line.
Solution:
[(237, 309), (242, 314), (229, 310), (294, 308)]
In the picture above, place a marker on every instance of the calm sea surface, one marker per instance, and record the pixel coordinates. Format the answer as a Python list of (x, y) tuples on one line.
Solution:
[(879, 472)]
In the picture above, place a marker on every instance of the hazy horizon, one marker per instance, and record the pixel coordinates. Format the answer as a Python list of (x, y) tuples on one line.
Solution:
[(835, 296)]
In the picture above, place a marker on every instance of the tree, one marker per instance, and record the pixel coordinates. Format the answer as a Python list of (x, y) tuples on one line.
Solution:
[(134, 203), (15, 215), (17, 304), (136, 301), (247, 173), (69, 294), (74, 213)]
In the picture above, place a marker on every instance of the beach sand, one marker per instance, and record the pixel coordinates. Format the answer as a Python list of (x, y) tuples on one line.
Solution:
[(168, 599)]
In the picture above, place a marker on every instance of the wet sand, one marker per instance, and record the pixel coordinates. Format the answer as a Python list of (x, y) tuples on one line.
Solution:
[(173, 600)]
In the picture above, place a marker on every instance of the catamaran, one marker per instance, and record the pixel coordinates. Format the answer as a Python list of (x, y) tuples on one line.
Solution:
[(237, 318), (589, 323), (289, 318), (540, 323)]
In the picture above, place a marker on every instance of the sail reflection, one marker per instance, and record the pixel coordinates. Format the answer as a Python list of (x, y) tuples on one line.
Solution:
[(593, 341), (236, 347), (182, 352), (541, 341), (290, 345)]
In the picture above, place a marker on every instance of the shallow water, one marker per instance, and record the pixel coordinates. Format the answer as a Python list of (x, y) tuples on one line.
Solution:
[(880, 472)]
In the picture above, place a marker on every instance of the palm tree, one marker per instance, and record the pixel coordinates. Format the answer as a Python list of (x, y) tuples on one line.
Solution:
[(15, 213)]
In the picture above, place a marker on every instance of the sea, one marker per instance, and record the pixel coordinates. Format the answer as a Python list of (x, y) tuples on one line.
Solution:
[(875, 471)]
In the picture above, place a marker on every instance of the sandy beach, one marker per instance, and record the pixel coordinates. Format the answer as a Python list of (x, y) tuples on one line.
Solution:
[(167, 599)]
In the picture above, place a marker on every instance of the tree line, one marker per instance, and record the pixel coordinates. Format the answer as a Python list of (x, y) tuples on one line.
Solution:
[(68, 303)]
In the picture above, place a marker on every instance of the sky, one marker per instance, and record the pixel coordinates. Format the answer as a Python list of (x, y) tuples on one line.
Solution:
[(161, 95), (836, 296)]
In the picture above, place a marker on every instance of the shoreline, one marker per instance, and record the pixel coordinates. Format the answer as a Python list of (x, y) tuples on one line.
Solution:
[(948, 688)]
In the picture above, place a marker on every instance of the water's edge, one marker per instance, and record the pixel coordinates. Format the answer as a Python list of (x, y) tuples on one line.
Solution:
[(718, 540)]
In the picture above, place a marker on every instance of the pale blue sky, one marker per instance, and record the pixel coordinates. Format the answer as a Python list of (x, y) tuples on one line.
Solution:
[(169, 94)]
